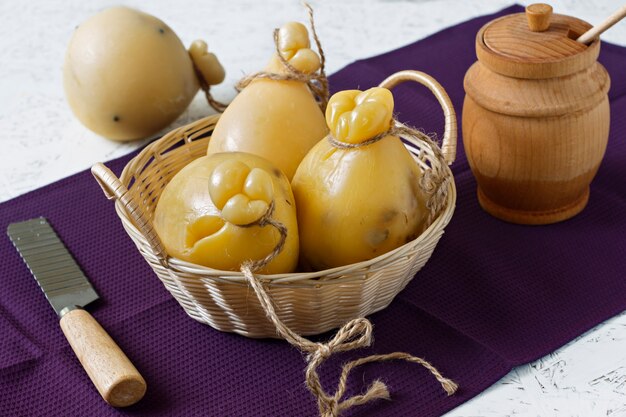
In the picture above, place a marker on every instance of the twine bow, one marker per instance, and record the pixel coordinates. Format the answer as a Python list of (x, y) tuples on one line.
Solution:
[(317, 81), (357, 333)]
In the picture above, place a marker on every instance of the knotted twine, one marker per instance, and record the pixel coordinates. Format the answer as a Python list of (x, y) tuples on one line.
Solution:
[(317, 81), (356, 333)]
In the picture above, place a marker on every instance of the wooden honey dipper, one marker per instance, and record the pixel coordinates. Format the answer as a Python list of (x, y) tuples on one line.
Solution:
[(597, 30)]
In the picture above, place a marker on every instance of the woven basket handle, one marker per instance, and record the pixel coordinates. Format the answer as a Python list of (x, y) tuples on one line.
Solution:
[(448, 147), (114, 189)]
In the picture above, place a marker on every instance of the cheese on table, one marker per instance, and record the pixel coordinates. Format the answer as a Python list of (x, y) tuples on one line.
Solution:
[(127, 75)]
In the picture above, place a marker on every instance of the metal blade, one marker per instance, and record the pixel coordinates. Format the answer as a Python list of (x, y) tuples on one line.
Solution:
[(56, 272)]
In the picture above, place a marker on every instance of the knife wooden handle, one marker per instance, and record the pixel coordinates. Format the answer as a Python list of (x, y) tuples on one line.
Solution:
[(113, 374)]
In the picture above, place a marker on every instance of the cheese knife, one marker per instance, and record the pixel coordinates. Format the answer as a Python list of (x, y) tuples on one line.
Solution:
[(68, 290)]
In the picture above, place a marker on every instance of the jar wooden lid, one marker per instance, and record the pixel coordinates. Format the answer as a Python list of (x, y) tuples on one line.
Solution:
[(535, 44)]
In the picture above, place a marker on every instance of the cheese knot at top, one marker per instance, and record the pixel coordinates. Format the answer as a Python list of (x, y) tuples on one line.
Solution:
[(242, 194), (295, 47), (355, 116), (206, 63)]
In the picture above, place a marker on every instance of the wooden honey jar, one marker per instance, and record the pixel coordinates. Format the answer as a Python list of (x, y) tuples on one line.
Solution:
[(535, 116)]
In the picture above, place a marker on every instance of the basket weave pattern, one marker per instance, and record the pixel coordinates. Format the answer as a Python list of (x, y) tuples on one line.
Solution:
[(308, 303)]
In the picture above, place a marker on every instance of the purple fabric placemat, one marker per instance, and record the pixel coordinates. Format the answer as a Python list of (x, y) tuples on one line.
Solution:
[(494, 295)]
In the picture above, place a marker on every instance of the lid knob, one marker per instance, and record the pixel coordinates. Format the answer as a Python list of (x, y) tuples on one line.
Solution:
[(538, 15)]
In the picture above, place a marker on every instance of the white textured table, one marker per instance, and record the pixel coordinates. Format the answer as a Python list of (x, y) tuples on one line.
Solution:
[(42, 142)]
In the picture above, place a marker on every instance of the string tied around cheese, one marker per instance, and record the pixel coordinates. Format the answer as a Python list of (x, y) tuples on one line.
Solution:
[(263, 221), (356, 333), (433, 180), (317, 81), (206, 87), (213, 73)]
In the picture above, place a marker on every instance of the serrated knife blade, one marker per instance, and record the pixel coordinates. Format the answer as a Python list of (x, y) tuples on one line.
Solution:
[(53, 267), (68, 290)]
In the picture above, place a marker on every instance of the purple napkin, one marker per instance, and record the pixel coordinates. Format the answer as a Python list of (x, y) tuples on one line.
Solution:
[(494, 295)]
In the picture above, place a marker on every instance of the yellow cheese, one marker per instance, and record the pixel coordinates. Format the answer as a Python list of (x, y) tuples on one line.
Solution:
[(356, 204), (202, 214), (278, 120), (127, 75)]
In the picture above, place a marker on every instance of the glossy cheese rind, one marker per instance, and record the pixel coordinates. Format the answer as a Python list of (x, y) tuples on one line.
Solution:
[(193, 229), (127, 75), (279, 120), (356, 204)]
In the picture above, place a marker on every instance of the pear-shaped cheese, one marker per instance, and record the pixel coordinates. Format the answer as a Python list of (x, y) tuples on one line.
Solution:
[(356, 204), (203, 213), (278, 120)]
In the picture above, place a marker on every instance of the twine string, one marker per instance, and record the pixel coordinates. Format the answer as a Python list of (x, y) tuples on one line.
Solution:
[(317, 81), (320, 84), (204, 86), (357, 333), (266, 219)]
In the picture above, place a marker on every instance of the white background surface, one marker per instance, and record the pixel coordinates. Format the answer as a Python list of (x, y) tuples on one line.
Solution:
[(42, 142)]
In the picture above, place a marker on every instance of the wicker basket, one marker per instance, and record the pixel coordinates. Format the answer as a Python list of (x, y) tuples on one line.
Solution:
[(308, 303)]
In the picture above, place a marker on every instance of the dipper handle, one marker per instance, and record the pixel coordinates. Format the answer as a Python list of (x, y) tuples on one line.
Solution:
[(595, 31), (538, 15)]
